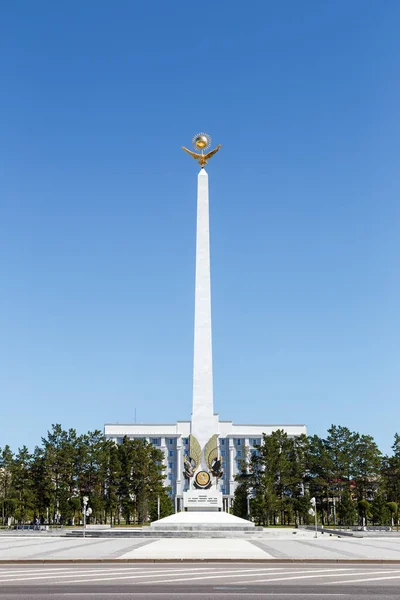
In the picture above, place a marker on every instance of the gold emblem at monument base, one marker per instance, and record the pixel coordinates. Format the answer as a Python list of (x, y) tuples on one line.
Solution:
[(202, 479), (202, 141)]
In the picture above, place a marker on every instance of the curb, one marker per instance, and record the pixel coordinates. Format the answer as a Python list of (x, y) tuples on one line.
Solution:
[(201, 560)]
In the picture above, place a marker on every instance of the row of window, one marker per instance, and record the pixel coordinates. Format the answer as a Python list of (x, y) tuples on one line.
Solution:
[(222, 441), (157, 441), (252, 442)]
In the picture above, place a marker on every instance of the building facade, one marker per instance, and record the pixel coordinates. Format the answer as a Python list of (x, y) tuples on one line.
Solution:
[(173, 440)]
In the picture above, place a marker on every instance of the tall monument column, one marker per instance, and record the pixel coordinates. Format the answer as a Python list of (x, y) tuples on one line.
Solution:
[(202, 463), (203, 404)]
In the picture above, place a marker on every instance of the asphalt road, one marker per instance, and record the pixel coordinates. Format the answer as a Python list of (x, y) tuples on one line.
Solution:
[(199, 581)]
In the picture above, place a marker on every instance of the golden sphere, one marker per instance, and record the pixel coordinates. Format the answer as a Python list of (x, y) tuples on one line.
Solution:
[(201, 141)]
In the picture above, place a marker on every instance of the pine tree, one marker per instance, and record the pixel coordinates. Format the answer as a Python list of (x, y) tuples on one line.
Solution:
[(347, 512), (6, 467), (22, 486), (380, 512)]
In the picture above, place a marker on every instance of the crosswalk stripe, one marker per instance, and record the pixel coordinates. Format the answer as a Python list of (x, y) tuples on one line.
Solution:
[(245, 574), (118, 571), (315, 576), (165, 574), (219, 575), (369, 579), (33, 571), (74, 573)]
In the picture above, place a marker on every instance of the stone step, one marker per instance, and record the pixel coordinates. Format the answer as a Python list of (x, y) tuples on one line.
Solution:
[(153, 533)]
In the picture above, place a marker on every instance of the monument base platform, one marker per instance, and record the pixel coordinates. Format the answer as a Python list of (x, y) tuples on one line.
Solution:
[(202, 521)]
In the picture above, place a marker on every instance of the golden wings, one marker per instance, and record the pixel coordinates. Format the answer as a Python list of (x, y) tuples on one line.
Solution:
[(202, 158)]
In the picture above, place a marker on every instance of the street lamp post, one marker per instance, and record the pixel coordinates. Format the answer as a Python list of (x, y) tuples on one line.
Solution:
[(314, 505), (86, 513), (133, 499)]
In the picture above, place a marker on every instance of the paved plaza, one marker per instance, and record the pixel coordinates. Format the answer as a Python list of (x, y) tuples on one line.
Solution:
[(271, 545)]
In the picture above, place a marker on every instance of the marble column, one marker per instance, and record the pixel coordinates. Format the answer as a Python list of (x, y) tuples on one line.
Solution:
[(179, 467), (164, 450), (231, 466)]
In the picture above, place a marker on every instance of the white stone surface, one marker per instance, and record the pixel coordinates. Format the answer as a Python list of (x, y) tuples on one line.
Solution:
[(204, 423), (201, 549), (201, 518)]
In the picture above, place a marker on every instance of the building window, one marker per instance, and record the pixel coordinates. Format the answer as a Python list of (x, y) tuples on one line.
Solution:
[(239, 442), (171, 452), (222, 441), (170, 476), (186, 441), (256, 442), (223, 452), (238, 453), (155, 441), (171, 441), (171, 465)]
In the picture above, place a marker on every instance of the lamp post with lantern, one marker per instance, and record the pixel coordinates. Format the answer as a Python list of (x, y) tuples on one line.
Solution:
[(314, 510), (86, 513)]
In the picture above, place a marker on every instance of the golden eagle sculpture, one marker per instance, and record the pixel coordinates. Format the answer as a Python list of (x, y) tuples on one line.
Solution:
[(202, 141)]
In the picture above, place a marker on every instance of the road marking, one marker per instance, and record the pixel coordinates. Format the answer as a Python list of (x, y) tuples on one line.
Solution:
[(321, 575), (165, 574), (96, 573), (93, 572), (28, 571), (369, 579), (231, 574), (185, 594)]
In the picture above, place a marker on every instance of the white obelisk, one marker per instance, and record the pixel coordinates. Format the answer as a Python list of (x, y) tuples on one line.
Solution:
[(203, 420)]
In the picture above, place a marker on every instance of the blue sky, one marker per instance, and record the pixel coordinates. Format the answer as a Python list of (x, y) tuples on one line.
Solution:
[(98, 207)]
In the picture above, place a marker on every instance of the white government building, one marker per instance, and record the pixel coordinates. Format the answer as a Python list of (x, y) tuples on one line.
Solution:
[(190, 440)]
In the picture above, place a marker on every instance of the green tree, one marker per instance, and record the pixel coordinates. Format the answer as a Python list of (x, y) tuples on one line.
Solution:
[(241, 502), (59, 456), (275, 478), (166, 505), (92, 460), (347, 512), (366, 465), (6, 467), (390, 472), (380, 513), (41, 484), (141, 478), (393, 509), (22, 486), (364, 511), (112, 474), (340, 444), (320, 476)]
